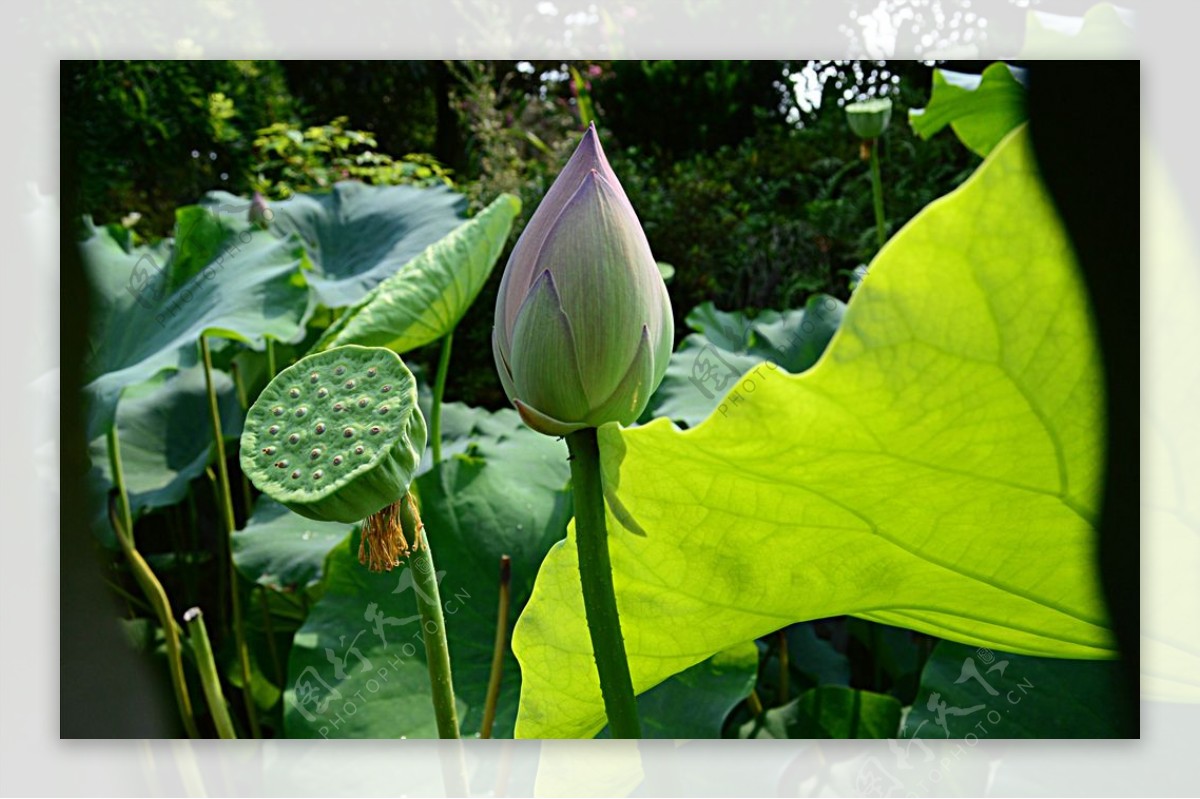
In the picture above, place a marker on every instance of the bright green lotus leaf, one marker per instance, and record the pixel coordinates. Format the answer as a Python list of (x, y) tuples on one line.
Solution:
[(426, 298), (695, 702), (938, 469), (702, 373), (166, 438), (358, 235), (248, 287), (505, 496), (284, 550), (982, 109), (830, 711), (1000, 695)]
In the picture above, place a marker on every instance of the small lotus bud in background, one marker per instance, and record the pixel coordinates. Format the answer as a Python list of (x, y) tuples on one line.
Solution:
[(583, 327), (260, 213), (870, 118)]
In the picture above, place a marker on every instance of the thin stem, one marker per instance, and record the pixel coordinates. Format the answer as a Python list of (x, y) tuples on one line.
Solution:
[(784, 668), (433, 624), (240, 386), (877, 194), (264, 602), (207, 667), (270, 359), (150, 585), (439, 388), (756, 705), (599, 598), (498, 649), (226, 502)]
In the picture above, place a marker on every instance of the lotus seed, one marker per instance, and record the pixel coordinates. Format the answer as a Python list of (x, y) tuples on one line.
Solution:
[(293, 439), (349, 384), (362, 403), (383, 409), (294, 393), (320, 428), (341, 370), (314, 377), (281, 464), (386, 389), (372, 372), (278, 411), (301, 411), (296, 475), (337, 460), (316, 453), (358, 450), (375, 430), (322, 392), (348, 432), (273, 429), (338, 407), (318, 474), (268, 450)]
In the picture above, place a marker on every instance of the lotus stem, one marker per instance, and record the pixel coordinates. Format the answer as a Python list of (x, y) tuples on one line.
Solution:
[(150, 585), (784, 667), (877, 194), (599, 598), (439, 388), (270, 358), (498, 649), (433, 624), (240, 386), (207, 667), (226, 502)]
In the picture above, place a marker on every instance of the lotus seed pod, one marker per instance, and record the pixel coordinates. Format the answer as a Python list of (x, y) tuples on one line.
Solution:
[(870, 118), (333, 477)]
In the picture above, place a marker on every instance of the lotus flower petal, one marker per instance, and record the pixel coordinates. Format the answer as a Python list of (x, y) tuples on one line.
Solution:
[(545, 372)]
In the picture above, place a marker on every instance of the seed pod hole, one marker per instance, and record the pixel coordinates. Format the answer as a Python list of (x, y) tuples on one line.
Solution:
[(281, 464), (293, 439), (296, 475), (316, 453), (341, 370), (268, 450), (294, 393), (338, 407), (372, 372), (320, 428), (386, 389), (383, 409), (348, 432), (322, 392), (358, 450), (350, 383), (301, 412), (318, 474), (314, 377), (273, 429), (375, 430), (337, 460), (364, 402), (278, 411)]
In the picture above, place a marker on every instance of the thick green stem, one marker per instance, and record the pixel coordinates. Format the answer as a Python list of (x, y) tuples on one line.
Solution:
[(877, 194), (207, 667), (226, 502), (239, 384), (599, 599), (498, 649), (150, 586), (433, 624), (439, 388), (270, 359)]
